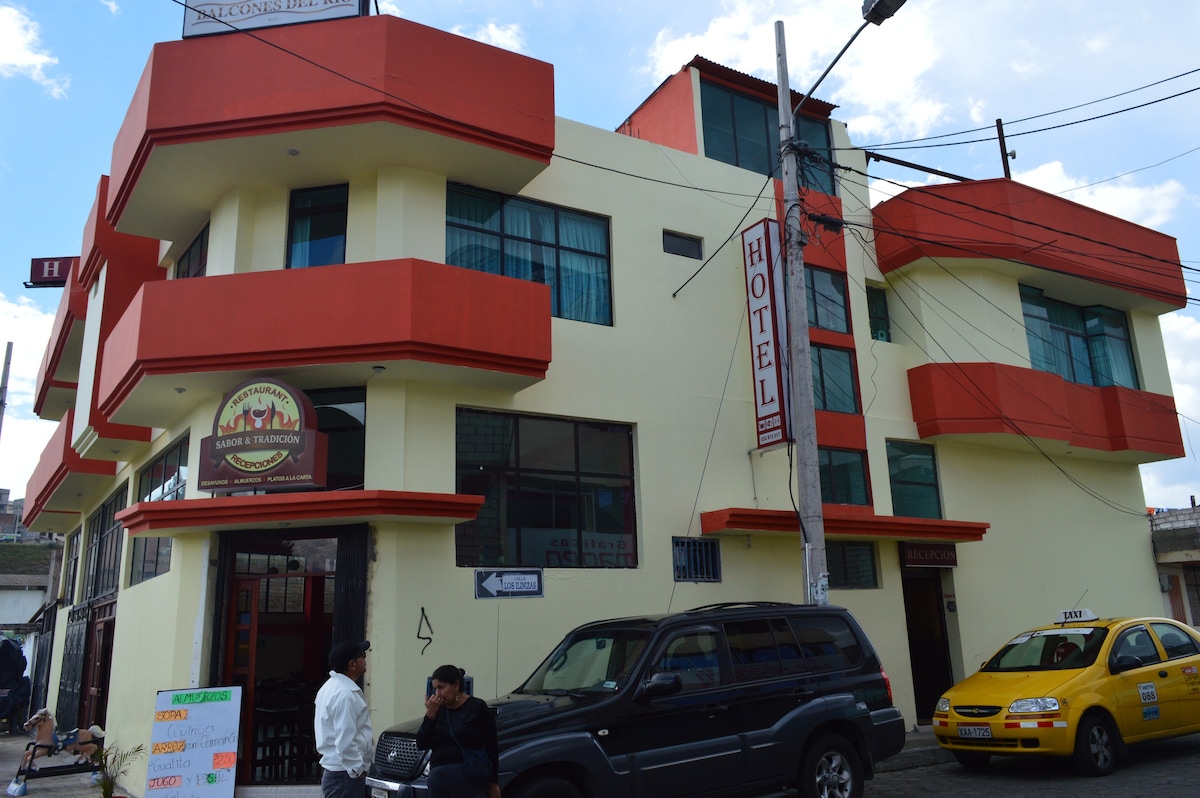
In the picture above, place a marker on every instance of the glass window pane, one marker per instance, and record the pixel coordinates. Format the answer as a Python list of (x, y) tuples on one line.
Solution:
[(547, 443), (843, 476), (716, 109), (833, 380), (750, 126), (529, 221), (472, 210), (604, 449), (472, 250), (826, 293), (486, 439), (752, 649)]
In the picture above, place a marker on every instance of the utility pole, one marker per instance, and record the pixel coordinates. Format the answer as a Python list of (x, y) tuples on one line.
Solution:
[(804, 420), (4, 382)]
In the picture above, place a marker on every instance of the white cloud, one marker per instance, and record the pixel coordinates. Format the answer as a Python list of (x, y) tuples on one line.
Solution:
[(23, 435), (507, 37), (112, 6), (21, 52), (1152, 206), (388, 7)]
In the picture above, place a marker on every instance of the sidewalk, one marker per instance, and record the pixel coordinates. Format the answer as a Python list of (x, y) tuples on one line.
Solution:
[(920, 749), (74, 785)]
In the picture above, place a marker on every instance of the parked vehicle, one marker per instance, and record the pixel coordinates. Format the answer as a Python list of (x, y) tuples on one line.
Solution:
[(729, 699), (1082, 687)]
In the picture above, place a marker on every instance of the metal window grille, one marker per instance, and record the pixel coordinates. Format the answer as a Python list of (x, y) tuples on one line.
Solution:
[(696, 560)]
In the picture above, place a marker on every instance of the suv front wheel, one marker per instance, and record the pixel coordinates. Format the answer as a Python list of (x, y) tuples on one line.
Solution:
[(831, 769)]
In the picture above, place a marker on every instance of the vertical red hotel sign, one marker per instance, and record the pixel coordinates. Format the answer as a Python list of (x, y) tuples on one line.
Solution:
[(768, 329)]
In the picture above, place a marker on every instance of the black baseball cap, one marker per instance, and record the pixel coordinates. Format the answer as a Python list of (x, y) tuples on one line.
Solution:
[(343, 652)]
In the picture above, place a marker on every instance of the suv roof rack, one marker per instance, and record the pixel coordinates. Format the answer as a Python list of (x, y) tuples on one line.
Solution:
[(728, 605)]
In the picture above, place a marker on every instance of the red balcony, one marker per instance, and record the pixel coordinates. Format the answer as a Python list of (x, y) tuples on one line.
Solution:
[(63, 483), (306, 105), (1124, 264), (183, 341), (1005, 403), (58, 376)]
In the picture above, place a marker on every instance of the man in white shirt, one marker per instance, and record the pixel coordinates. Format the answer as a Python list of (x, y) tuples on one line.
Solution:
[(343, 724)]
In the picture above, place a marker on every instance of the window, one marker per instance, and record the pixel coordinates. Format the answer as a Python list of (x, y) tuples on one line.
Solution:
[(763, 649), (696, 560), (694, 657), (680, 244), (828, 642), (558, 493), (843, 476), (744, 131), (851, 565), (564, 249), (317, 226), (826, 294), (194, 260), (877, 312), (1090, 346), (104, 548), (71, 569), (1175, 641), (163, 480), (833, 379), (912, 470)]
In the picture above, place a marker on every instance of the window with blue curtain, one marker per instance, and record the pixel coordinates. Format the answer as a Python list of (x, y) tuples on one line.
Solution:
[(1086, 345), (565, 249)]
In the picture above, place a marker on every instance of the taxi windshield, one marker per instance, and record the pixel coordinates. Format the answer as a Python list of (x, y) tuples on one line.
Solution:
[(1062, 648)]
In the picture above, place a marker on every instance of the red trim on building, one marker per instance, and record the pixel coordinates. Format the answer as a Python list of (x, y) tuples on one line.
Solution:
[(841, 521), (59, 466), (1003, 220), (63, 350), (396, 310), (336, 73), (299, 509), (992, 398), (667, 117)]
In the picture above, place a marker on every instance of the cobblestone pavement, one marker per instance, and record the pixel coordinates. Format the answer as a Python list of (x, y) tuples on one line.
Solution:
[(1166, 769)]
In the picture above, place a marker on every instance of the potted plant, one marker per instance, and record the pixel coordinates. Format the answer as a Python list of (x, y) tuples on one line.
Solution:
[(114, 763)]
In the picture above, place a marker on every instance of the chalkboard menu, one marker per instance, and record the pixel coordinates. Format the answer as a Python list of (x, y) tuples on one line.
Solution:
[(194, 745)]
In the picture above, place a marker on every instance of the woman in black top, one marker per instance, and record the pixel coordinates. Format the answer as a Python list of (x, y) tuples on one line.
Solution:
[(474, 727)]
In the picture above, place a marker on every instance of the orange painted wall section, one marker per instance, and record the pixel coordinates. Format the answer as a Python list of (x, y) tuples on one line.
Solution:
[(842, 521), (982, 398), (57, 461), (226, 86), (348, 313), (972, 220), (72, 310), (667, 117)]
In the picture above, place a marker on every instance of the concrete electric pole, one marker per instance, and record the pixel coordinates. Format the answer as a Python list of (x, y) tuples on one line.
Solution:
[(804, 421)]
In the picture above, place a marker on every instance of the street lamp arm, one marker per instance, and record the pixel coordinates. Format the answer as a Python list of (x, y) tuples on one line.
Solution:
[(810, 92)]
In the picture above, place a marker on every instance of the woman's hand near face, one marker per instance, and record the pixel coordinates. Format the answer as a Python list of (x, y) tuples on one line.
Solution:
[(432, 704)]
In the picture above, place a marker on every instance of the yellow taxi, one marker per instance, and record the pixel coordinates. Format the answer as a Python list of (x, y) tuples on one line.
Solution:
[(1082, 687)]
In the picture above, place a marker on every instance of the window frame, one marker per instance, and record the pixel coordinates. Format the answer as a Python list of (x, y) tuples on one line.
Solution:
[(838, 564), (819, 311), (695, 559), (71, 566), (1089, 342), (831, 489), (502, 243), (908, 487), (193, 261), (877, 313), (502, 463), (682, 244), (151, 556), (297, 214), (102, 574), (827, 379)]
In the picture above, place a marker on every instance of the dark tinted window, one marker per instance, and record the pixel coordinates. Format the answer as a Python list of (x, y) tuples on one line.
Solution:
[(694, 657), (753, 651), (828, 642), (1175, 641), (679, 244)]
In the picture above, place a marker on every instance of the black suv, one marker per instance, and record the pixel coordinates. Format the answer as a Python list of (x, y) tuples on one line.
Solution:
[(730, 699)]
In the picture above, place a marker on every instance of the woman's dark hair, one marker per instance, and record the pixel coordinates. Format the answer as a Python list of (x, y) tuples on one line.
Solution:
[(449, 674)]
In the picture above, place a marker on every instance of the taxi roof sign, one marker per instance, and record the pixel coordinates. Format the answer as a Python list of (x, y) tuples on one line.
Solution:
[(1071, 616)]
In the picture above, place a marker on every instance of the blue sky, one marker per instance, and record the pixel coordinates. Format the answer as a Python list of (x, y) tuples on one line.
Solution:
[(68, 70)]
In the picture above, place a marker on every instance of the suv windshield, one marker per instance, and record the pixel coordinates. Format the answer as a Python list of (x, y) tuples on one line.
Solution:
[(593, 660), (1049, 650)]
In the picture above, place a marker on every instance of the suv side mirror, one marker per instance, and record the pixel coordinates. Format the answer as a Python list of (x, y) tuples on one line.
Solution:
[(660, 684)]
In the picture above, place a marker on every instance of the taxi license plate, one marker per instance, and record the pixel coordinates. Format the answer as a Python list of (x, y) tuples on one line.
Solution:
[(977, 731), (378, 793)]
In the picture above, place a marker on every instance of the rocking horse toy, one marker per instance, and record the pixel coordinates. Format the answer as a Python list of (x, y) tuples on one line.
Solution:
[(48, 741)]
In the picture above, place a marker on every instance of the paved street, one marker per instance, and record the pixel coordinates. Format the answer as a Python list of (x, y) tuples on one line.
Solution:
[(1164, 769)]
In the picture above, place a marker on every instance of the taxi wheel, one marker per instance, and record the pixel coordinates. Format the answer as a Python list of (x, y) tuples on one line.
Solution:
[(972, 760), (1095, 747), (831, 769)]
